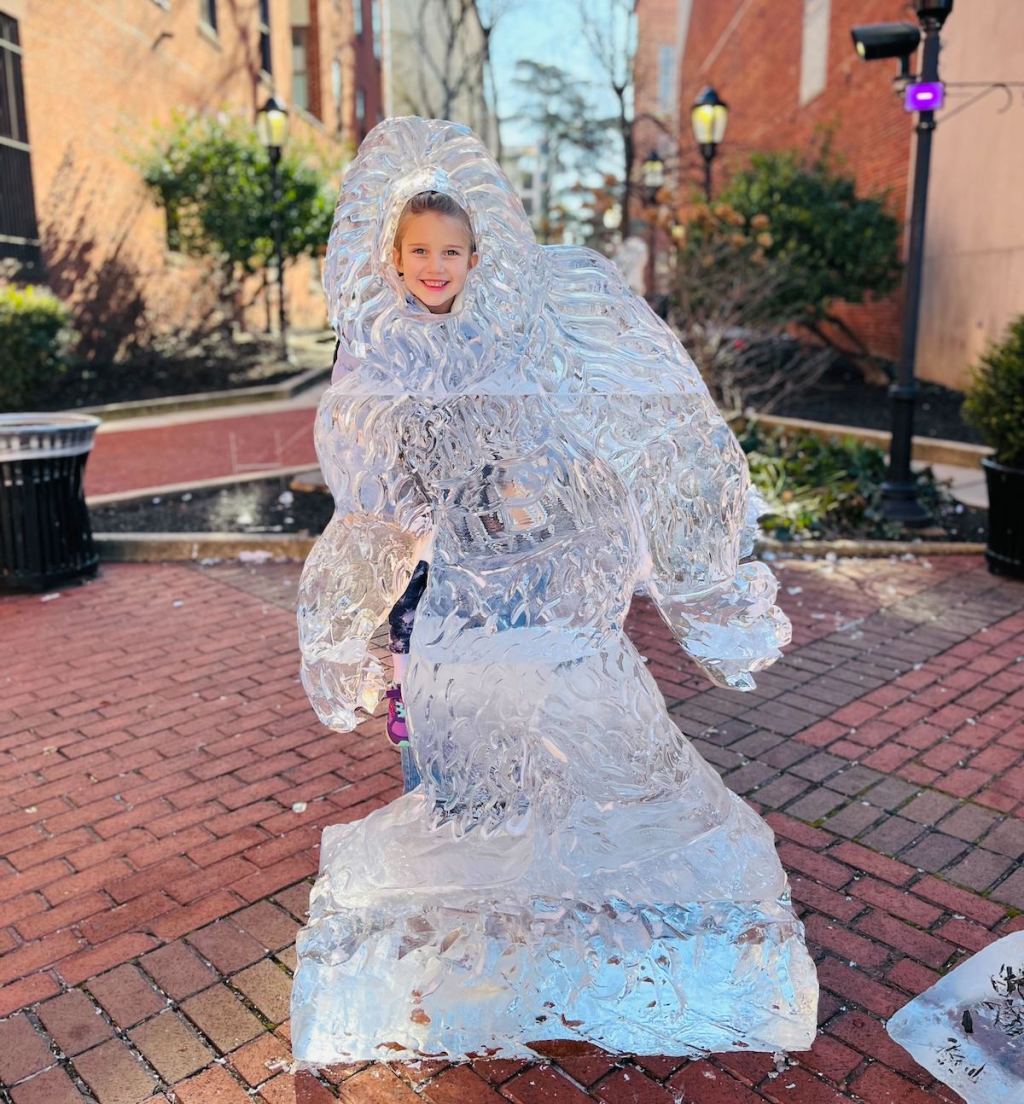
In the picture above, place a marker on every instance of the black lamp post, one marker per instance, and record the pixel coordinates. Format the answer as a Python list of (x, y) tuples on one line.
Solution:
[(652, 173), (899, 492), (272, 128), (708, 117)]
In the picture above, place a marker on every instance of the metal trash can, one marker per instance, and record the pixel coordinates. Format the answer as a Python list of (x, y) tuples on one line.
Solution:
[(45, 536)]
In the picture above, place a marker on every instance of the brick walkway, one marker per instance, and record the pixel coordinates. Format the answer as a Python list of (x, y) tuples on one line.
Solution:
[(154, 742), (185, 450)]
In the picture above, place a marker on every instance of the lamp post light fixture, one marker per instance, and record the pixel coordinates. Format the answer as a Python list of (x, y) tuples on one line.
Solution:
[(709, 117), (272, 129), (899, 40), (652, 174)]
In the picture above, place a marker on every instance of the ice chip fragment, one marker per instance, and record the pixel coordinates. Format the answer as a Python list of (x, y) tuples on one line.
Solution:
[(968, 1028)]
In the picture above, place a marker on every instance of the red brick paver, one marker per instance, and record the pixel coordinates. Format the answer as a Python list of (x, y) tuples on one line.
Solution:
[(154, 739)]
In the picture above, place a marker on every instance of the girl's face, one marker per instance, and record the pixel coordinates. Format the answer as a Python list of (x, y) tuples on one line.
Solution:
[(434, 259)]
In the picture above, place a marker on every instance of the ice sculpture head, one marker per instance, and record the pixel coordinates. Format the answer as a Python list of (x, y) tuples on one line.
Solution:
[(366, 297)]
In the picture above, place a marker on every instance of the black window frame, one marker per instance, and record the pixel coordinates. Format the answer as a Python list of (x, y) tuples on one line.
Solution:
[(266, 54), (19, 228), (208, 14)]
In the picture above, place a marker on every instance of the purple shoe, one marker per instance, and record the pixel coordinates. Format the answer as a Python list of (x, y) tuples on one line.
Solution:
[(398, 730)]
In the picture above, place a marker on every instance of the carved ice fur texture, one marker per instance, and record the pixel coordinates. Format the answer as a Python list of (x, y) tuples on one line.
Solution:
[(569, 867), (968, 1028)]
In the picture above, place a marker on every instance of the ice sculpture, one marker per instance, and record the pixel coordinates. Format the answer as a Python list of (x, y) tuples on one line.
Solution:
[(968, 1028), (570, 867)]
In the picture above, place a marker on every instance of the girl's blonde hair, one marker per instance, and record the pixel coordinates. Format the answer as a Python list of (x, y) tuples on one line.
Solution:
[(440, 203)]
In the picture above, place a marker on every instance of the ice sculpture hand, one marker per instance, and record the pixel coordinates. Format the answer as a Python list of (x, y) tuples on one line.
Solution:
[(732, 629), (351, 579)]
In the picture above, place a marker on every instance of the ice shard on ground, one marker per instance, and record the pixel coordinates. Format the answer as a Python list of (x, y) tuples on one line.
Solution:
[(968, 1028), (569, 867)]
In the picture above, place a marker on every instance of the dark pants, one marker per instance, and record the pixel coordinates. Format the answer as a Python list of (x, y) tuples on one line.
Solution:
[(402, 616)]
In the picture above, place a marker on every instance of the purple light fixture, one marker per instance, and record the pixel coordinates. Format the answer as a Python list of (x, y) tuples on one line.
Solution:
[(925, 96)]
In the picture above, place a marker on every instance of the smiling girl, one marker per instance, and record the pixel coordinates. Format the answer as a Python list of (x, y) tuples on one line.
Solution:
[(434, 251)]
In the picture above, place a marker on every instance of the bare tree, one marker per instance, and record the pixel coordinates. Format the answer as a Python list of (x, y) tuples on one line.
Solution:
[(724, 300), (454, 77), (610, 30)]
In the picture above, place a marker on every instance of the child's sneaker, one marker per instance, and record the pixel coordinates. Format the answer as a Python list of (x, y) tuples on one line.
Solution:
[(398, 729)]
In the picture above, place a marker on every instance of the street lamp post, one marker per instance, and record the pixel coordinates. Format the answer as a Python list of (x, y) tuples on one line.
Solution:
[(899, 491), (652, 173), (708, 117), (272, 128)]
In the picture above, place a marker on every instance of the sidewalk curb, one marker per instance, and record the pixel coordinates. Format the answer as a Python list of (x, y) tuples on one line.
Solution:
[(205, 400), (930, 450), (865, 549), (177, 547)]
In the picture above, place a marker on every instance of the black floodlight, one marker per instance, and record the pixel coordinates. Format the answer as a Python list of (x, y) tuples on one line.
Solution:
[(885, 40)]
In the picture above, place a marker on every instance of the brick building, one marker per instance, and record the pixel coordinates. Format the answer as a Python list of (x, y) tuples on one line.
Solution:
[(789, 73), (83, 88)]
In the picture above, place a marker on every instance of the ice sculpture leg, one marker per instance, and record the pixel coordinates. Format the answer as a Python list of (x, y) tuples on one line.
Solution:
[(631, 900)]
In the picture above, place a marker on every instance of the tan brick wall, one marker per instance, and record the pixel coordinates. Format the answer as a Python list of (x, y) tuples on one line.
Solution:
[(750, 51), (100, 76)]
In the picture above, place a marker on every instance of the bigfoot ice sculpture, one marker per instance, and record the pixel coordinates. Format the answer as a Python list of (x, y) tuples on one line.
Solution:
[(569, 867)]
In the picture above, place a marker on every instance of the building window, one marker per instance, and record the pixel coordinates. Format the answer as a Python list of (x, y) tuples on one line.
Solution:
[(208, 13), (666, 78), (814, 52), (361, 112), (19, 233), (357, 17), (266, 59), (375, 22), (336, 88), (300, 67)]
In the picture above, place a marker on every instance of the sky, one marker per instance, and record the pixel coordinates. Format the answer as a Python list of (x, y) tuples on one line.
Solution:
[(546, 31)]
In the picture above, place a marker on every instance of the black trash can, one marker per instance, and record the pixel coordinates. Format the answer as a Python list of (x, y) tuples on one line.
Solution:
[(45, 536)]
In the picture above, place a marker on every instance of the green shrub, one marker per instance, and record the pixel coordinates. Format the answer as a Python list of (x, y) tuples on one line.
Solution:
[(995, 400), (817, 488), (836, 244), (34, 336)]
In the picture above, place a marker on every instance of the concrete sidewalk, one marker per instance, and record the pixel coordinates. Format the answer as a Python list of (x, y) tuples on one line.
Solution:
[(164, 783)]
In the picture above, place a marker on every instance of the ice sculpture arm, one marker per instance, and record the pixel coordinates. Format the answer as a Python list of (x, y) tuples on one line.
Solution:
[(363, 561), (351, 579), (702, 515)]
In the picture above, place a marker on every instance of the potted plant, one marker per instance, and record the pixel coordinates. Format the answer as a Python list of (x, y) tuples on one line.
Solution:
[(995, 406)]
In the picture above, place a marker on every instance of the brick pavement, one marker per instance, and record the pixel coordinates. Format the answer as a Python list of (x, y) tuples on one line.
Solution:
[(185, 449), (154, 741)]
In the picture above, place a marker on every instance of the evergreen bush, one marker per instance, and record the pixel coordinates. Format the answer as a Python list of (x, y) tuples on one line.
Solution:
[(995, 400), (34, 337)]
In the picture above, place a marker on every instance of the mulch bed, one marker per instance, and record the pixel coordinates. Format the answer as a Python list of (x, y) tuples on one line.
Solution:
[(260, 506), (270, 506), (842, 395)]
